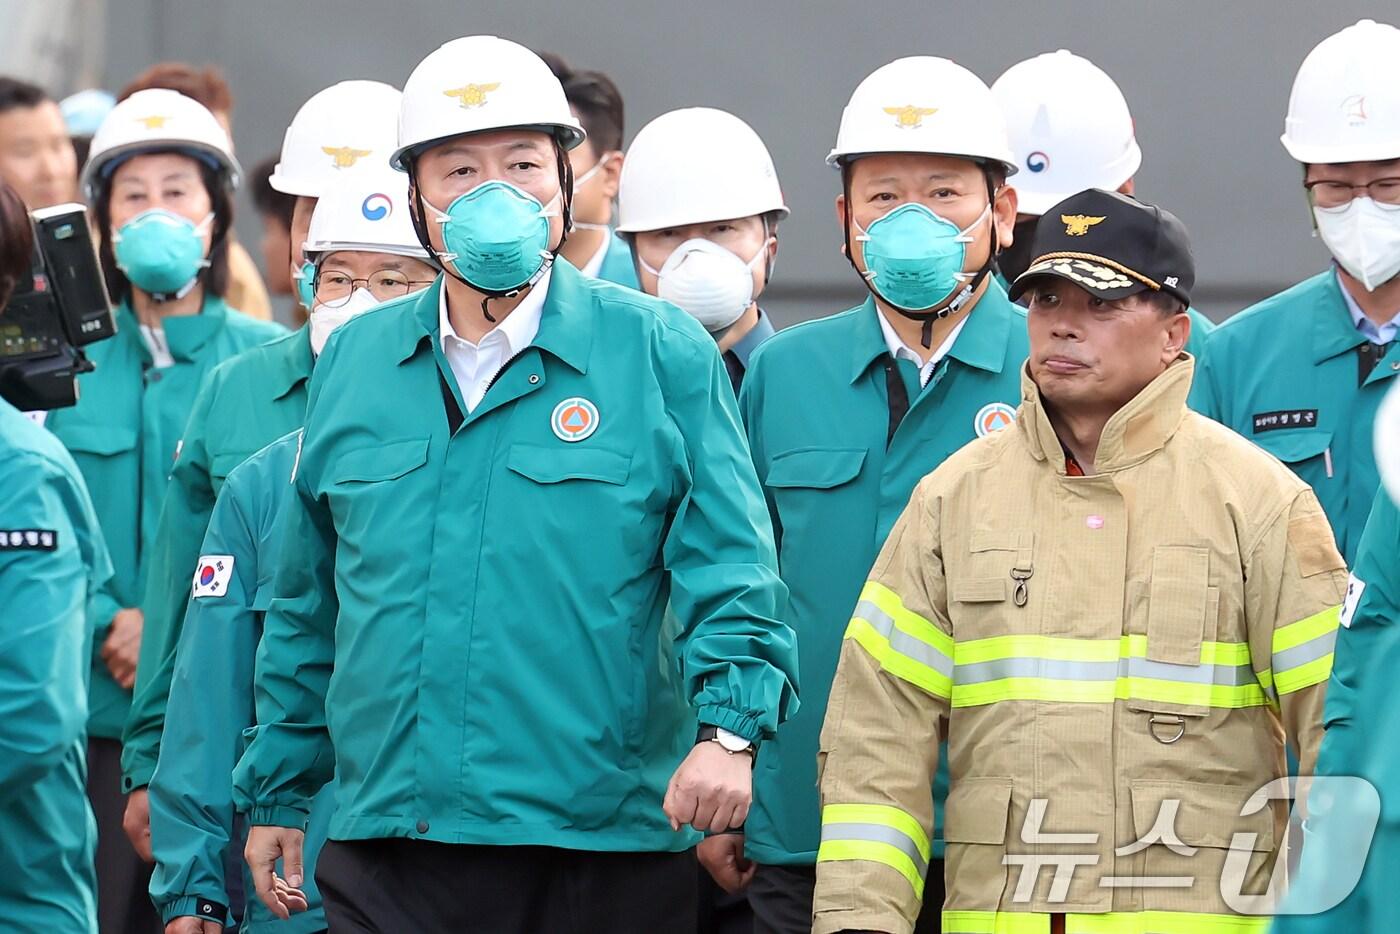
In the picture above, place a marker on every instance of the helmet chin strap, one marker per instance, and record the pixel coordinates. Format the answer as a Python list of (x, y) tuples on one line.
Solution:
[(566, 198), (959, 299)]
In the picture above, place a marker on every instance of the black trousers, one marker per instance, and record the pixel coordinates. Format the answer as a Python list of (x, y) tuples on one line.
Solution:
[(123, 878), (393, 886), (781, 897), (720, 912)]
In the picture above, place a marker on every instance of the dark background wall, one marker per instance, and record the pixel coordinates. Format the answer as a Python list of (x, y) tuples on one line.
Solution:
[(1207, 81)]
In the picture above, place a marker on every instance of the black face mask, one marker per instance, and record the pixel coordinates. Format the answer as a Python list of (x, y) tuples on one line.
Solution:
[(1015, 259)]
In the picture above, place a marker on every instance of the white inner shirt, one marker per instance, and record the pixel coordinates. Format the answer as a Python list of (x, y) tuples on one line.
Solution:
[(902, 351), (476, 365), (158, 346), (595, 263)]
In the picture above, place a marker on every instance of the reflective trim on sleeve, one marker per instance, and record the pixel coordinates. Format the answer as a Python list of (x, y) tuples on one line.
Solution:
[(904, 643), (876, 833), (1303, 651)]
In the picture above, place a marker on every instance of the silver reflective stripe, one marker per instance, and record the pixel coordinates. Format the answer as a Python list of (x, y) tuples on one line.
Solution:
[(1229, 675), (877, 833), (901, 642), (1055, 669), (1060, 670), (1309, 651)]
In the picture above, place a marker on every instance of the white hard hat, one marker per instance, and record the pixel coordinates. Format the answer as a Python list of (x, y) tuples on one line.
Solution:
[(1345, 105), (696, 165), (923, 104), (365, 211), (1387, 442), (1069, 128), (343, 127), (479, 83), (158, 120)]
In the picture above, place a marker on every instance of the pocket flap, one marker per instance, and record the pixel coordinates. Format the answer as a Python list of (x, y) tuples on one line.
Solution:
[(98, 439), (221, 465), (980, 590), (977, 811), (1177, 601), (262, 599), (382, 462), (816, 468), (980, 540), (1204, 815), (1294, 446), (555, 465)]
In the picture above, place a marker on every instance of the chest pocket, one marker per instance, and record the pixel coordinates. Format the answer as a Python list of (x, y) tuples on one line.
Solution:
[(815, 468), (555, 465), (800, 483), (381, 462), (564, 483), (101, 440), (1000, 566), (1182, 667), (1295, 448)]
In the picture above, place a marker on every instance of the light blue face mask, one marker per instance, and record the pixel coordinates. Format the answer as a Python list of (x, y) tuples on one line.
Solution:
[(913, 258), (161, 252), (306, 285), (496, 237)]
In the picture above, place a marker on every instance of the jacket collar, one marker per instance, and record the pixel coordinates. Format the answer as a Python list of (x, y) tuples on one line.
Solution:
[(292, 367), (186, 335), (1134, 433), (566, 322), (981, 344), (1333, 330)]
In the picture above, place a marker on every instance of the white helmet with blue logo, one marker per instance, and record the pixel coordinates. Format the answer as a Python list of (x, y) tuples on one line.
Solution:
[(1069, 127), (366, 211)]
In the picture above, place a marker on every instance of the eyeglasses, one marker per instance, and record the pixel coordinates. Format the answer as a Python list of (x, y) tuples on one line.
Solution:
[(335, 288), (1328, 194)]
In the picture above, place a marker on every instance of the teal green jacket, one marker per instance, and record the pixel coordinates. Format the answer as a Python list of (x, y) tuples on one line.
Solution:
[(618, 266), (818, 414), (53, 564), (474, 615), (1362, 739), (211, 704), (1284, 374), (244, 404), (123, 434)]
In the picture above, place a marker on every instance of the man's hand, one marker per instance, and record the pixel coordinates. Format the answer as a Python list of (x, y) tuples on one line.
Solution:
[(711, 790), (136, 821), (265, 846), (123, 645), (192, 925), (723, 858)]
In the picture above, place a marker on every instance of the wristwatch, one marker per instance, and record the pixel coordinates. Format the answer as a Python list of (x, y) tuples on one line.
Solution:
[(731, 743)]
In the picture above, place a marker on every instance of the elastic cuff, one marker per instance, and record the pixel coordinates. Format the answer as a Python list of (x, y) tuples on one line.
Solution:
[(742, 724), (194, 906), (278, 816)]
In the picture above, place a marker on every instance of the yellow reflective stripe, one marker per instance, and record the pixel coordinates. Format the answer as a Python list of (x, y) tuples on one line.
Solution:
[(1032, 689), (1208, 695), (1212, 653), (1294, 634), (1177, 922), (882, 814), (1114, 922), (910, 622), (901, 666), (1305, 676), (873, 852), (995, 922)]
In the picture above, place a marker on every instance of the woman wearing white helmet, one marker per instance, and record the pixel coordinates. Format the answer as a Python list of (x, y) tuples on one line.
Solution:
[(846, 413), (504, 483), (700, 203), (160, 179), (190, 714)]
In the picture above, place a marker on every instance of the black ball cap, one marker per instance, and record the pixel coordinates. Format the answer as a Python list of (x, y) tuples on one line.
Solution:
[(1112, 246)]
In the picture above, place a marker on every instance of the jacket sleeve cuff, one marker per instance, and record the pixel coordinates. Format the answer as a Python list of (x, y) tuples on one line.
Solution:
[(278, 816), (194, 906), (741, 724), (137, 775)]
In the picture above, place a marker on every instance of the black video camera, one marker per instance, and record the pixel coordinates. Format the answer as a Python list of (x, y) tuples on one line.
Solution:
[(62, 308)]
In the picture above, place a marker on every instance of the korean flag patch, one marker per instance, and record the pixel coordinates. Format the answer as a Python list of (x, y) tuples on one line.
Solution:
[(212, 574), (1355, 588)]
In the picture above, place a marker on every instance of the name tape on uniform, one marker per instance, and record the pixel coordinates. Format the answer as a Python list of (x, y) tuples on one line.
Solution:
[(1285, 418)]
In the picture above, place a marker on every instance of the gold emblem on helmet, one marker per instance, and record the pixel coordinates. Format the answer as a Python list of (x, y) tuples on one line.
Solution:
[(910, 117), (344, 157), (1077, 225), (472, 95), (153, 122)]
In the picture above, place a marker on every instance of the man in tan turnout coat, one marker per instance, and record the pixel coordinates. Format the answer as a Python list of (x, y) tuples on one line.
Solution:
[(1115, 613)]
